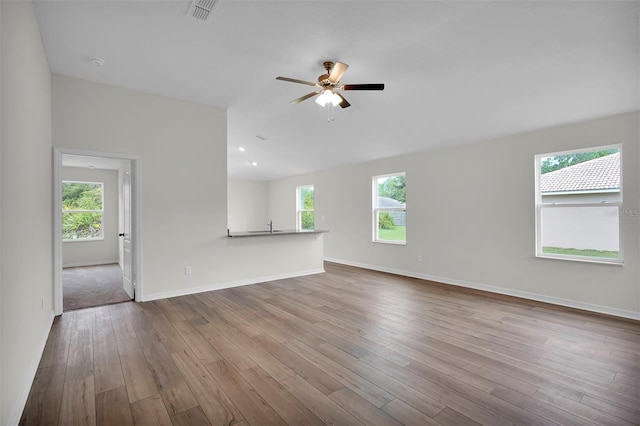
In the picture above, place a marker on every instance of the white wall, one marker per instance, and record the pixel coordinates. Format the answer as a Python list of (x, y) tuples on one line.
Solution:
[(471, 216), (183, 148), (26, 216), (248, 205), (82, 253)]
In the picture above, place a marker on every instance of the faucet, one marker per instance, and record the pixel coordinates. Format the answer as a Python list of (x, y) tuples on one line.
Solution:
[(271, 226)]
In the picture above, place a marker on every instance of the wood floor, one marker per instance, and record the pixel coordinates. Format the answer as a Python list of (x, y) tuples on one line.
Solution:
[(346, 347)]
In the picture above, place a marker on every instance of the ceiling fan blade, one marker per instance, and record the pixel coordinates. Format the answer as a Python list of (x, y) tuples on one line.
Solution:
[(295, 80), (343, 103), (363, 87), (337, 72), (302, 98)]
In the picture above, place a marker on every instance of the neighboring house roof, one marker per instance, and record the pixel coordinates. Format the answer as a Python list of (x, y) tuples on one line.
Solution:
[(389, 202), (593, 175)]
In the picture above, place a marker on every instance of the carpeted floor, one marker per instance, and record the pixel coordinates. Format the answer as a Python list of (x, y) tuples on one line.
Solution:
[(87, 286)]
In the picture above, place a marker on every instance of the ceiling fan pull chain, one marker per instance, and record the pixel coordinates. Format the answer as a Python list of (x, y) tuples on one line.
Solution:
[(330, 116)]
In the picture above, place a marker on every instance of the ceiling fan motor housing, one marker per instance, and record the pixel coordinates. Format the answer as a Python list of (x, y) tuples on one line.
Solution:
[(323, 79)]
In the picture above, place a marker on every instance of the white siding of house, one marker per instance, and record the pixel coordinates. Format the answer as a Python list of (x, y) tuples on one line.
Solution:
[(580, 228)]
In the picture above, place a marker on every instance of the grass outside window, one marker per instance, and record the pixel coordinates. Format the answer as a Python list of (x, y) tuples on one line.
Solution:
[(608, 254), (398, 233)]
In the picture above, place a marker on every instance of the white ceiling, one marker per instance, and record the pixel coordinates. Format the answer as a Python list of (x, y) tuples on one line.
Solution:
[(455, 71)]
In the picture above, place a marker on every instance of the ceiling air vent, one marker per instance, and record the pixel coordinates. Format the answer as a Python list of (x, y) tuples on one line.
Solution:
[(201, 9)]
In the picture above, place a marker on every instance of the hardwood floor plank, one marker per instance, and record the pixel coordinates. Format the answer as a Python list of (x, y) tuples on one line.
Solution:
[(137, 374), (150, 411), (169, 310), (167, 332), (186, 310), (480, 411), (318, 403), (196, 342), (629, 415), (78, 403), (583, 370), (215, 404), (101, 315), (45, 398), (175, 393), (258, 354), (80, 361), (122, 327), (372, 347), (118, 310), (303, 368), (541, 408), (414, 398), (252, 406), (56, 350), (231, 316), (230, 352), (361, 409), (193, 417), (364, 388), (449, 416), (582, 410), (406, 414), (106, 361), (286, 405), (113, 408)]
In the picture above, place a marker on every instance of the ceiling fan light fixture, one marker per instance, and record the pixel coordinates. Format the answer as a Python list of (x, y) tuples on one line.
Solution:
[(328, 96), (324, 98), (335, 99)]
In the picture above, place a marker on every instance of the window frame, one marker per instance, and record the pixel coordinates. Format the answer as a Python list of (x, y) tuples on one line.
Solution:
[(101, 211), (539, 205), (300, 207), (377, 210)]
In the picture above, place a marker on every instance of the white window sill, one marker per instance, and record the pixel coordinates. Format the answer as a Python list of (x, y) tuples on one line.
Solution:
[(596, 260), (393, 243), (82, 240)]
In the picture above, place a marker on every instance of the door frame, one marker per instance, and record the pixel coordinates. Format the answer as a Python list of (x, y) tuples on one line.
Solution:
[(136, 237)]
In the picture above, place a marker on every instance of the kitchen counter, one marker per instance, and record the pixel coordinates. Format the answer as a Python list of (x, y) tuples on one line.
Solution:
[(273, 233)]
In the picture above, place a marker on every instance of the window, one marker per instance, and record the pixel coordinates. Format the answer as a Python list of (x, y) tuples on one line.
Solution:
[(389, 209), (578, 205), (305, 207), (82, 209)]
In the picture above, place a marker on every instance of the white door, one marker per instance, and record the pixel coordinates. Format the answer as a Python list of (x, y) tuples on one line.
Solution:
[(127, 256)]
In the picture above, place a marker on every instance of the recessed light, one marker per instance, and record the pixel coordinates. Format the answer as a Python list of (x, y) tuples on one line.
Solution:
[(254, 163), (241, 149)]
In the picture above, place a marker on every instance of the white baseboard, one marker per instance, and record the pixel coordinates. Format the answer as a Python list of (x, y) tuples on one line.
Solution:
[(98, 263), (499, 290), (220, 286), (16, 413)]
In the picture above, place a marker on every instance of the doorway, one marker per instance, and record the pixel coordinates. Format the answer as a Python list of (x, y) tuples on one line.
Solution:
[(96, 237)]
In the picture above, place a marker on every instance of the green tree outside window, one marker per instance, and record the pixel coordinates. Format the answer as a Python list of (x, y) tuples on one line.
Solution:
[(82, 208)]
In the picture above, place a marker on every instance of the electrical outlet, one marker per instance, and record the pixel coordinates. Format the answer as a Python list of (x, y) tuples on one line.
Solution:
[(187, 270), (419, 258)]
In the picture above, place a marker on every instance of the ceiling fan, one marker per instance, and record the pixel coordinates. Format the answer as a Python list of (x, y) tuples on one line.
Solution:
[(329, 84)]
